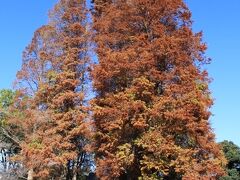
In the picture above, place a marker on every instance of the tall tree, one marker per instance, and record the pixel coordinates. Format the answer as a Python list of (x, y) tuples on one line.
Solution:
[(55, 68), (32, 80), (152, 105)]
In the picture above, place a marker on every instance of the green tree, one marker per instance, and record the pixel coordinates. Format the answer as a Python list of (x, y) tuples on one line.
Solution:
[(6, 101), (232, 154), (6, 98), (10, 133)]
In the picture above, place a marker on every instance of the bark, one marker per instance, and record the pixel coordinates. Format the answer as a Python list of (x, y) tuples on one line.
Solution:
[(30, 174)]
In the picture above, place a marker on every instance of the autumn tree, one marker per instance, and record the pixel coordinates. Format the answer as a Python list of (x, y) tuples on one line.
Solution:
[(54, 75), (152, 102), (34, 74)]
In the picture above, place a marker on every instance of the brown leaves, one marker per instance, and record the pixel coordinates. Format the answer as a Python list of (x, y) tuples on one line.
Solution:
[(151, 109), (55, 70), (151, 93)]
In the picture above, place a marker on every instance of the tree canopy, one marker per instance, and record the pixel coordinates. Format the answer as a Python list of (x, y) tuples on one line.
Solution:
[(118, 89), (152, 105), (232, 154)]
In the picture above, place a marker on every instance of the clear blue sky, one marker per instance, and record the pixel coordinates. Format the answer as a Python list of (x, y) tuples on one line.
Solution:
[(219, 21)]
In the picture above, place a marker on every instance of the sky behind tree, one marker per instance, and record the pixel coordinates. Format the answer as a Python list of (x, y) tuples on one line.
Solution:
[(217, 19)]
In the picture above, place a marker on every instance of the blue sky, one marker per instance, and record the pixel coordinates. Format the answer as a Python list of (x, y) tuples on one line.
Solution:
[(219, 21), (19, 20)]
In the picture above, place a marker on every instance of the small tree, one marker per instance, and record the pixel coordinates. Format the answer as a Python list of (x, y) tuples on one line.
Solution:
[(11, 134), (232, 154), (8, 141)]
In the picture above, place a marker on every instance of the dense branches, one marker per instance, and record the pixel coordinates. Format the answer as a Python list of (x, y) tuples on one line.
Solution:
[(232, 154), (152, 105), (150, 110), (55, 70)]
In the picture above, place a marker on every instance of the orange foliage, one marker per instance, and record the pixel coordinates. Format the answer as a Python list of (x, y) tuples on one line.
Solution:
[(152, 106), (151, 110), (54, 74)]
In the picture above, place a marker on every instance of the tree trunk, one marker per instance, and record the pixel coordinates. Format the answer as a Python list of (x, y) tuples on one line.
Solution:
[(75, 176), (30, 174)]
